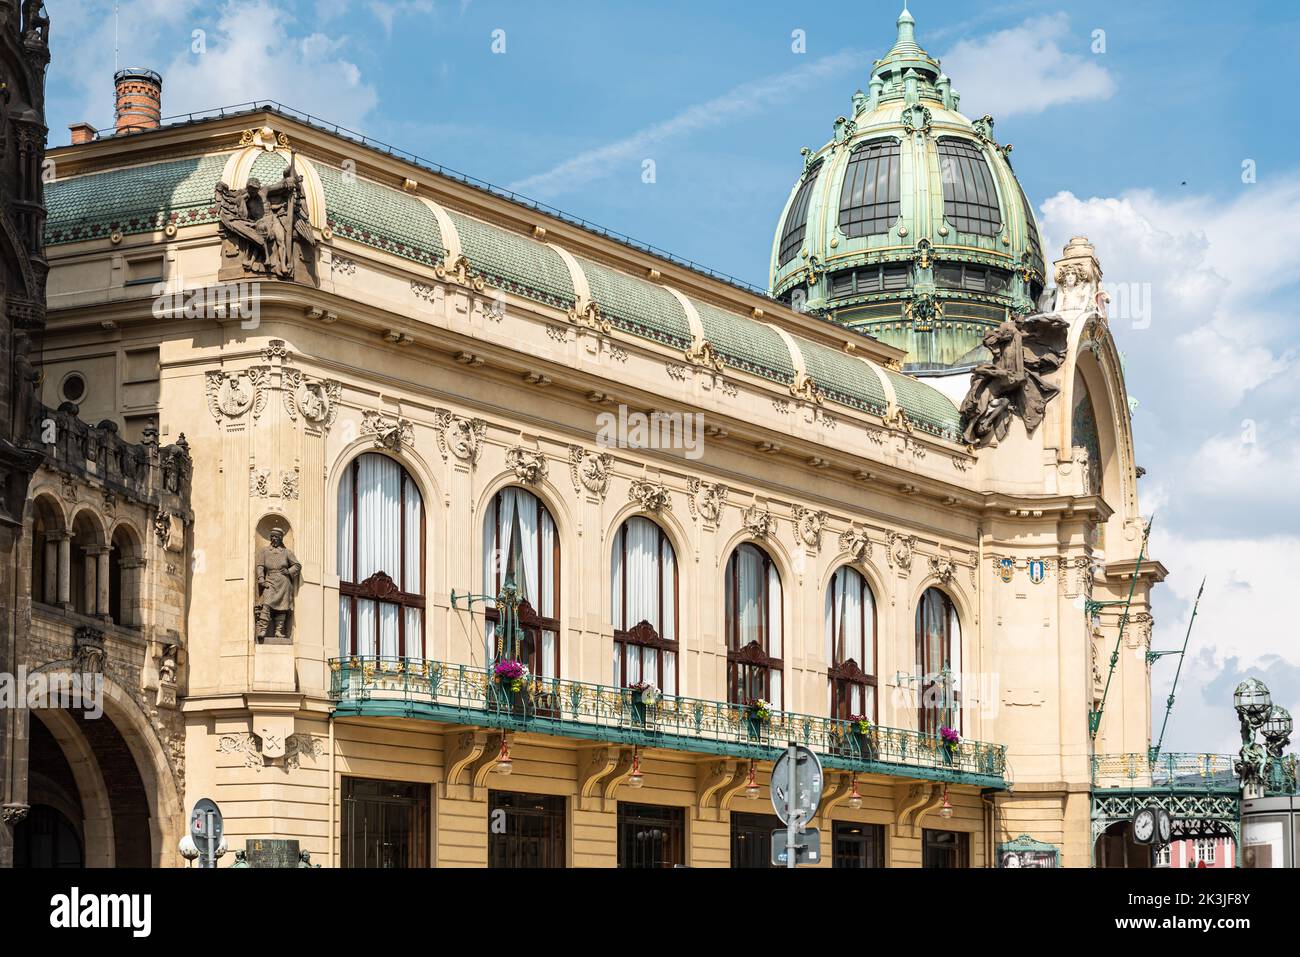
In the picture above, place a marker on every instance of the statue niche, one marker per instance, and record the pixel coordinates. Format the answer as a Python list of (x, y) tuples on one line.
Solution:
[(277, 573), (266, 231), (1025, 353)]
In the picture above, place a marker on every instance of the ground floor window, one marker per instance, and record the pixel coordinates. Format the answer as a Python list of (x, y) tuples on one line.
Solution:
[(751, 839), (858, 845), (525, 830), (945, 849), (385, 823), (651, 836)]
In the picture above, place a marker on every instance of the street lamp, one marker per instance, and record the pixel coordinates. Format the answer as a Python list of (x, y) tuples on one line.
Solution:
[(1254, 706)]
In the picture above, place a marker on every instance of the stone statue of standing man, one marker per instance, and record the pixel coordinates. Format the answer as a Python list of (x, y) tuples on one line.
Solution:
[(277, 576)]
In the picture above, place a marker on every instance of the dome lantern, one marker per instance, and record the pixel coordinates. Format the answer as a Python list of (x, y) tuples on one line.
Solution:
[(910, 225)]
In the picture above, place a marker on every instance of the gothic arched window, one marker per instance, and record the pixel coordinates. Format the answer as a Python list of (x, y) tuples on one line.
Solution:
[(520, 543), (938, 662)]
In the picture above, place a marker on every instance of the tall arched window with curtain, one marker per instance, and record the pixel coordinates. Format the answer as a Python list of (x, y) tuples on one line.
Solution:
[(380, 560), (754, 630), (851, 644), (644, 606), (520, 542), (938, 662)]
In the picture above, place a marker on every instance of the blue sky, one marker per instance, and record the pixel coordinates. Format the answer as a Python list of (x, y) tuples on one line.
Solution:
[(1140, 147)]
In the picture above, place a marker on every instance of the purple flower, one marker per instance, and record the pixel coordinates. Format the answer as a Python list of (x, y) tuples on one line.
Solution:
[(509, 670), (950, 736)]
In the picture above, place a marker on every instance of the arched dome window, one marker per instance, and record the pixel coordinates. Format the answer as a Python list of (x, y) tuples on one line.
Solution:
[(970, 200), (644, 599), (381, 560), (938, 662), (851, 644), (796, 222), (519, 542), (870, 199), (754, 615)]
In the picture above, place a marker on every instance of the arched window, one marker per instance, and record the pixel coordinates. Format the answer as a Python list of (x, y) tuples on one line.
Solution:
[(796, 222), (970, 200), (938, 662), (381, 560), (754, 616), (519, 542), (851, 644), (84, 567), (870, 199), (124, 565), (644, 606), (48, 538)]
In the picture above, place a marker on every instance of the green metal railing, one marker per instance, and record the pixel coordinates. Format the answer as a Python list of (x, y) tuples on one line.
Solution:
[(1193, 772), (461, 694)]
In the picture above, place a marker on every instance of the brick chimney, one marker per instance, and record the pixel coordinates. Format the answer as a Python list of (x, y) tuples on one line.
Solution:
[(82, 133), (139, 100)]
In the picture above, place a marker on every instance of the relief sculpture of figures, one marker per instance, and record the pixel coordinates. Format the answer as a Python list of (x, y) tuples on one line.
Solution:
[(267, 228), (277, 576), (1025, 353)]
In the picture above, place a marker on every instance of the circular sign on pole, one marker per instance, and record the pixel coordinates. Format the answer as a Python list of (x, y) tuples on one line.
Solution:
[(807, 795), (205, 829)]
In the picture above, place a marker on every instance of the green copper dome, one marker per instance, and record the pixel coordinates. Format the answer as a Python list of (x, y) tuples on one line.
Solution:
[(910, 225)]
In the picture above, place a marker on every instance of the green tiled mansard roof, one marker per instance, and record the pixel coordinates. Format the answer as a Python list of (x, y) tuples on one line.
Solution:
[(512, 262), (370, 213), (842, 378), (637, 306), (137, 199), (745, 344), (927, 408)]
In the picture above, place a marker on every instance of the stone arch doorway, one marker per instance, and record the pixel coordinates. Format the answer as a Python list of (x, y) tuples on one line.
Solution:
[(109, 781)]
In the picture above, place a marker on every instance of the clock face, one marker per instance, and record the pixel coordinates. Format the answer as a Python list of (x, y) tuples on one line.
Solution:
[(1166, 825), (1144, 825)]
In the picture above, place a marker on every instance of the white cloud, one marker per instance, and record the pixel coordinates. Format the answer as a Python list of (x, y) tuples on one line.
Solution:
[(254, 54), (1024, 70), (627, 154), (1244, 626)]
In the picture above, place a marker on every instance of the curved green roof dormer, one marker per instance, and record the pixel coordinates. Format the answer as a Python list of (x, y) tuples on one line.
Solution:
[(910, 225)]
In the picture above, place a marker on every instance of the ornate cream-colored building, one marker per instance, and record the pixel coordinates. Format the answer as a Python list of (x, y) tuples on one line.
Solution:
[(438, 393)]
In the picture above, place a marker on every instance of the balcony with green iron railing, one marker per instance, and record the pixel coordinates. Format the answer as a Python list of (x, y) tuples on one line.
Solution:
[(466, 695), (1169, 770)]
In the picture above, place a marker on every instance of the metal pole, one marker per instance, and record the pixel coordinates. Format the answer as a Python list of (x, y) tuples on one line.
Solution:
[(791, 825), (1169, 705), (210, 859)]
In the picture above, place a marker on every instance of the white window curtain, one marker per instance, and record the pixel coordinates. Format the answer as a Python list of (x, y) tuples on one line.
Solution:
[(346, 524), (379, 483), (850, 620), (773, 612), (749, 581), (412, 582)]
